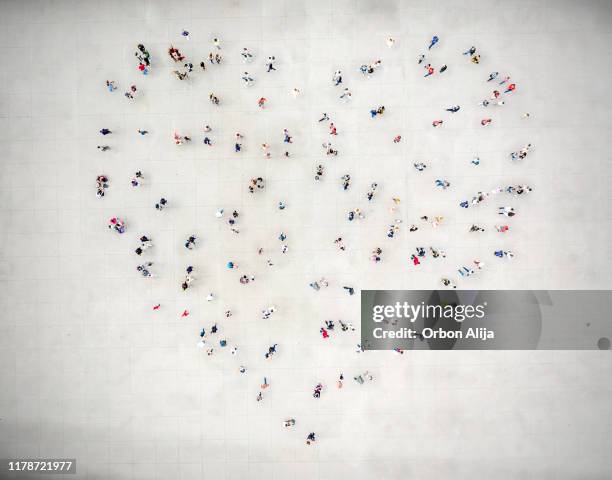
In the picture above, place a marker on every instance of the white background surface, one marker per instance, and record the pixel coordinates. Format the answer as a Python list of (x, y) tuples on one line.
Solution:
[(88, 370)]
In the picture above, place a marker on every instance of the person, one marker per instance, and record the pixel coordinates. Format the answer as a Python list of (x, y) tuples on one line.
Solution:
[(101, 184), (117, 224), (346, 181), (453, 109), (522, 153), (434, 40), (256, 183), (144, 269), (143, 55), (110, 85), (290, 422), (378, 111), (105, 131), (270, 63), (161, 204), (311, 438), (248, 80), (337, 78), (137, 178), (190, 243), (271, 351), (319, 173), (465, 271), (370, 194), (145, 242), (246, 55)]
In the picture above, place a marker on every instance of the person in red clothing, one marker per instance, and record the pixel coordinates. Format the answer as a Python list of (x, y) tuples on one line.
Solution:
[(415, 259), (324, 333), (261, 102), (510, 88)]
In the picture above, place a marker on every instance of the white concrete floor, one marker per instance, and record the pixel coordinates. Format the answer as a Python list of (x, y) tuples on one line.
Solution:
[(89, 371)]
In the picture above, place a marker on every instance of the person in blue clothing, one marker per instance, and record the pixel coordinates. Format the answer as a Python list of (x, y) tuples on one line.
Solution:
[(434, 40)]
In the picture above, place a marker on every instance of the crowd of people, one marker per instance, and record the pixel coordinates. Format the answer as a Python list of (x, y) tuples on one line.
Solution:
[(211, 339)]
